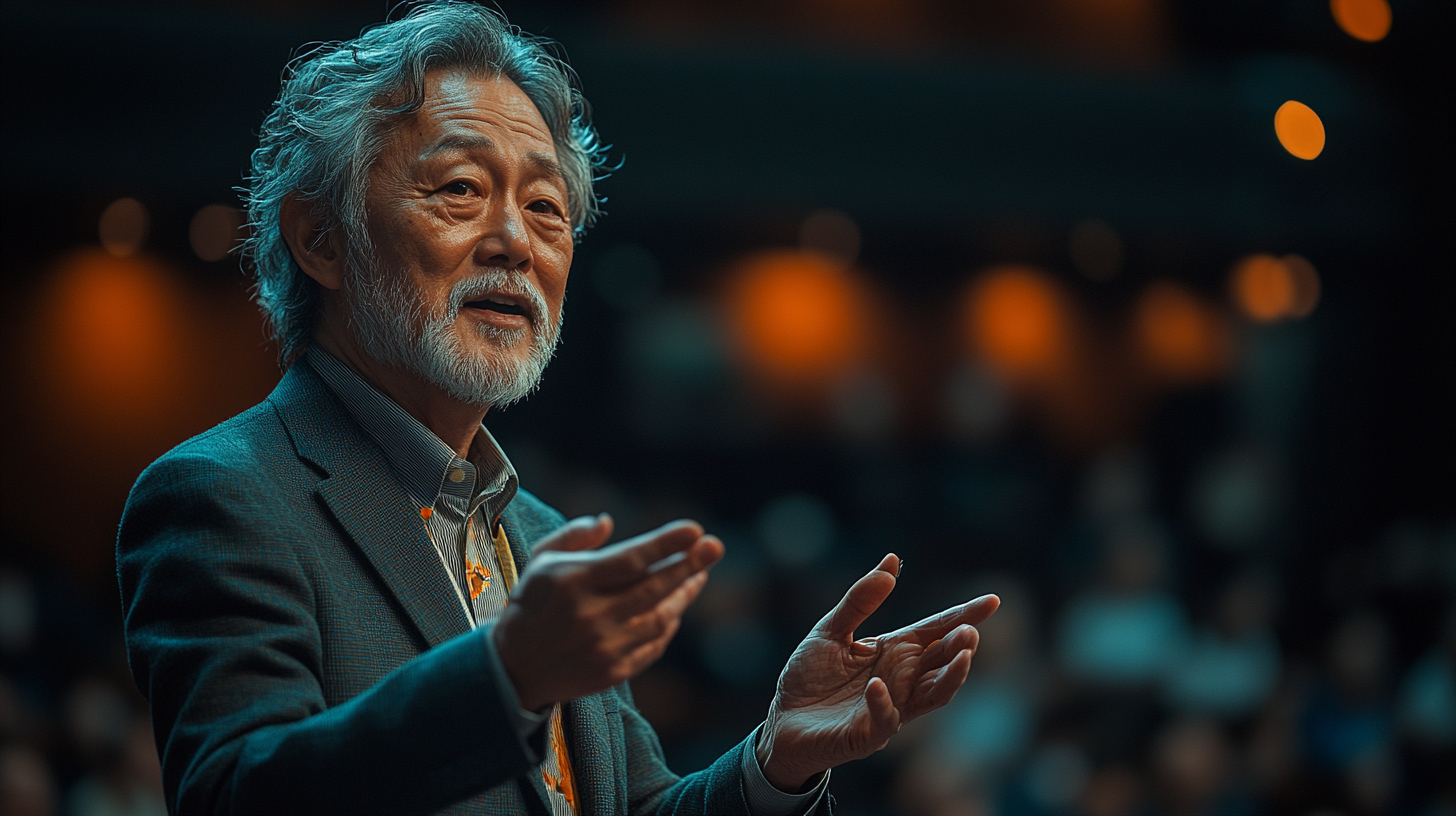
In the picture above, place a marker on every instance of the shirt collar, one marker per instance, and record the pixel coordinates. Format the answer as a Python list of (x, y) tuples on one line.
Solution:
[(420, 459)]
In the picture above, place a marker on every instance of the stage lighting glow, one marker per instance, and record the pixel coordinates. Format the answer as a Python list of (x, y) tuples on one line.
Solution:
[(1268, 289), (1181, 337), (1299, 129), (798, 314), (113, 337), (123, 227), (1306, 285), (1017, 320), (214, 231), (1367, 20), (1263, 288)]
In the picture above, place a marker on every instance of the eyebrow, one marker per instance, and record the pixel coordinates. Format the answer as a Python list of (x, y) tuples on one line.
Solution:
[(544, 163)]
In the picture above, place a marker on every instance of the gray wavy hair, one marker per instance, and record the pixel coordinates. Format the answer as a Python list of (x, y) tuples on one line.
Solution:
[(339, 102)]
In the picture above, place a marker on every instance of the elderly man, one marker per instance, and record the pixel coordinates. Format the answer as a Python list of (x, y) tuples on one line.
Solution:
[(340, 601)]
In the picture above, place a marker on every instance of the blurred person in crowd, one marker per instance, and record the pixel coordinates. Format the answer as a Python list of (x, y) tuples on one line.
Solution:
[(1426, 710), (96, 716), (17, 613), (115, 745), (128, 784), (341, 600), (1194, 762), (1233, 665), (1345, 724), (27, 786), (1127, 631), (1116, 789), (1427, 704)]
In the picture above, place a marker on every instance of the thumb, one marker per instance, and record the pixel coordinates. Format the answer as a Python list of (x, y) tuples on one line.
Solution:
[(861, 600), (582, 533)]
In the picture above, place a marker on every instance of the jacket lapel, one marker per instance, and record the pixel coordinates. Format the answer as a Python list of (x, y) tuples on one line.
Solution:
[(592, 739), (369, 503)]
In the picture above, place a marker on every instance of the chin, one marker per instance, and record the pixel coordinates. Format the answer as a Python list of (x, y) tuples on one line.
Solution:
[(482, 371)]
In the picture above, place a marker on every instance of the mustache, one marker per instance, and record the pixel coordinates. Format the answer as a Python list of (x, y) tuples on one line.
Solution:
[(503, 282)]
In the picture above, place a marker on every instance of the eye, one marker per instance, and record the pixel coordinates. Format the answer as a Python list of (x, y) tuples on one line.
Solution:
[(545, 207), (458, 188)]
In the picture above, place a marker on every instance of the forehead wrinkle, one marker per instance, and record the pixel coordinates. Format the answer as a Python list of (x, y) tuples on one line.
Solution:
[(465, 142), (456, 97)]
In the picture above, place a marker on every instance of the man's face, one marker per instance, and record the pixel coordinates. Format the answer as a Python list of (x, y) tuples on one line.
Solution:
[(467, 213)]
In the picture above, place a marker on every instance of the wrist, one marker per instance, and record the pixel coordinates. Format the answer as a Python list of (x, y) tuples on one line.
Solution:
[(779, 773), (524, 697)]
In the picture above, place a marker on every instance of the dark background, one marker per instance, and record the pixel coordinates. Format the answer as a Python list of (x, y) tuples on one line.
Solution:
[(1295, 488)]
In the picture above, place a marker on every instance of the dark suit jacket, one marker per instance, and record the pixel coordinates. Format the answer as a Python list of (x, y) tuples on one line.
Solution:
[(303, 650)]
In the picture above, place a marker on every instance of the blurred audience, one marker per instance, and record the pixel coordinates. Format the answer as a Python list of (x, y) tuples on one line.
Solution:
[(75, 739), (1234, 662), (1346, 727), (1127, 630), (1139, 715)]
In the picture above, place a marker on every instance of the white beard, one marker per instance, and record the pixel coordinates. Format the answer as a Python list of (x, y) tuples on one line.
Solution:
[(393, 325)]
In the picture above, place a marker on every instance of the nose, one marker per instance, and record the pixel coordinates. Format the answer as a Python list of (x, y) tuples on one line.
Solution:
[(505, 242)]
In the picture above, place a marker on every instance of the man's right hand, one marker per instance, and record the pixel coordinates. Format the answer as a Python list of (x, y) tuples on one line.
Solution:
[(582, 619)]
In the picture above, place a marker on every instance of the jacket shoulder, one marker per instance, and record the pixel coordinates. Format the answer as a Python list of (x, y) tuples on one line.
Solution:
[(245, 462), (247, 443)]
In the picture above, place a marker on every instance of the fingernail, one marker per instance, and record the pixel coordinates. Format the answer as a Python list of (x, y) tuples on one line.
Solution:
[(900, 568), (981, 599)]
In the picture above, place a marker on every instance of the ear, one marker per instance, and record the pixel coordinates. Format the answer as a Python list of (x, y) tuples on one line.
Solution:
[(316, 249)]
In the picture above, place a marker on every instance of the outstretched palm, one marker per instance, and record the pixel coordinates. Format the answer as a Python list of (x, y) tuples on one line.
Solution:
[(840, 699)]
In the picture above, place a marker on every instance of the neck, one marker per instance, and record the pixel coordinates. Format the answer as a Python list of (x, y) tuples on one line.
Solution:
[(454, 422)]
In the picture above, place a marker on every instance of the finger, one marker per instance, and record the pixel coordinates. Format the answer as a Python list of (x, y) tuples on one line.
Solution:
[(939, 688), (860, 601), (653, 631), (881, 718), (646, 653), (936, 626), (650, 624), (584, 533), (660, 621), (627, 562), (667, 576), (962, 638)]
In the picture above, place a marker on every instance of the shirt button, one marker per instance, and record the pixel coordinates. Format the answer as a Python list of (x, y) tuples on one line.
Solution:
[(457, 475)]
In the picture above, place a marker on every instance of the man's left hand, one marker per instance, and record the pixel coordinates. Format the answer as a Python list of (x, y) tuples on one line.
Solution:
[(840, 699)]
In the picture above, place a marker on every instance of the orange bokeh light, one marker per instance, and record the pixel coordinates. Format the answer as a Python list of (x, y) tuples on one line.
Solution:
[(1306, 285), (113, 335), (1263, 288), (1184, 339), (798, 314), (1267, 288), (1367, 20), (1017, 319), (1299, 129)]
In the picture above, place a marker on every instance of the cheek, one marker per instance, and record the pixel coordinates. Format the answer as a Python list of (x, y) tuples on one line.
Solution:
[(553, 275)]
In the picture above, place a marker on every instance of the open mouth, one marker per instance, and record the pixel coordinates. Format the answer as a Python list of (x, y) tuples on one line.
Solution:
[(497, 305)]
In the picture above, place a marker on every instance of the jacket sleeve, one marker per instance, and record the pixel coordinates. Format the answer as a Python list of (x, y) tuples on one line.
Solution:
[(223, 640), (655, 790)]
